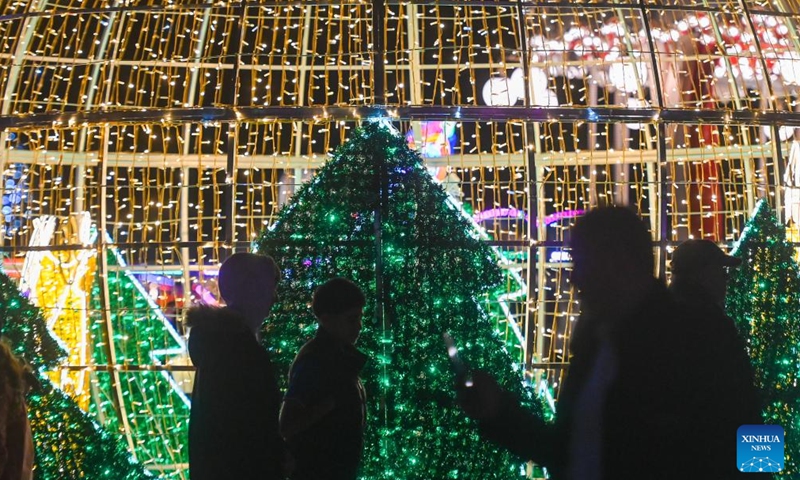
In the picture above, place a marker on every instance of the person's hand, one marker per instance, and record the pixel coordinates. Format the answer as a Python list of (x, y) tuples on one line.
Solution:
[(482, 400)]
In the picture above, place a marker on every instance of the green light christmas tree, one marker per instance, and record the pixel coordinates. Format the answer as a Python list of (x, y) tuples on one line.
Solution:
[(374, 215), (764, 300), (155, 408), (67, 441)]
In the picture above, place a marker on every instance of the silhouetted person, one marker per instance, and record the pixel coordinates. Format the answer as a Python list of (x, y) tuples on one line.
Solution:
[(233, 430), (324, 412), (16, 443), (635, 403), (700, 273), (699, 282)]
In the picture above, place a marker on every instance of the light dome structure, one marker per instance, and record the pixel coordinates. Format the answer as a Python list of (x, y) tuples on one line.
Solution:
[(144, 140)]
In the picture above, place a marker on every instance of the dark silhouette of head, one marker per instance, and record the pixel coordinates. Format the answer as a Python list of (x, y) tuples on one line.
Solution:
[(338, 304), (700, 266), (247, 282), (613, 261)]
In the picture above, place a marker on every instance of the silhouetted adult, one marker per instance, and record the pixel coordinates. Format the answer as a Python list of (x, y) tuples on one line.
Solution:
[(324, 412), (635, 403), (233, 430), (699, 282)]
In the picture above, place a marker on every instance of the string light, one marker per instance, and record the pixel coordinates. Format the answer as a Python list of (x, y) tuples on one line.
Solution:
[(764, 299), (435, 274), (156, 409), (68, 442), (87, 57)]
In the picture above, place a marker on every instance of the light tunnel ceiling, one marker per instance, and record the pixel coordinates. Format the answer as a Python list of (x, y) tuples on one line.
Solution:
[(180, 128), (75, 62)]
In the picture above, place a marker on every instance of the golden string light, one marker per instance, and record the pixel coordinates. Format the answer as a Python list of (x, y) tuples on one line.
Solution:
[(245, 100)]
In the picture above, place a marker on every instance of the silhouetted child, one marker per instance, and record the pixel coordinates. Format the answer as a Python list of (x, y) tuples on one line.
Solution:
[(324, 412), (233, 430)]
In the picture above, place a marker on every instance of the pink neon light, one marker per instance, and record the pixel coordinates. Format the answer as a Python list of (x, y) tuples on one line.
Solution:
[(510, 212)]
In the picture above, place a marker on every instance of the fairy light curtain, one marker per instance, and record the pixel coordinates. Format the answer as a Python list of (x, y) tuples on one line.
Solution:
[(656, 109)]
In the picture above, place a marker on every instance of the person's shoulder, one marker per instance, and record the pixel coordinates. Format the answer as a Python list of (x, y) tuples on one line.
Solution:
[(660, 308), (313, 356), (312, 350), (217, 335), (658, 322), (213, 318)]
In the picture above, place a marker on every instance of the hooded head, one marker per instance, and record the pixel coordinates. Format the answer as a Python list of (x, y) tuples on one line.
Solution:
[(247, 283)]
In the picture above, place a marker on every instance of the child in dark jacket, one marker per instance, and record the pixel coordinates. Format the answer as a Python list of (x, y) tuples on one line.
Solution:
[(233, 429), (323, 415)]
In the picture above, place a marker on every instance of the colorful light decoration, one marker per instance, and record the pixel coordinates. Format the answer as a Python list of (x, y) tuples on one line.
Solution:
[(64, 283), (623, 65), (438, 139), (59, 283), (68, 442), (764, 300), (433, 273), (510, 212), (52, 85), (155, 408)]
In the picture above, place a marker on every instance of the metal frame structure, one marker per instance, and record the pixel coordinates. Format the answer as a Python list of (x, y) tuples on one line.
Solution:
[(96, 117)]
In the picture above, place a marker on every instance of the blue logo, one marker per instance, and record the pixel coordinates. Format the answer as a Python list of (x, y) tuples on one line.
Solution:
[(759, 448)]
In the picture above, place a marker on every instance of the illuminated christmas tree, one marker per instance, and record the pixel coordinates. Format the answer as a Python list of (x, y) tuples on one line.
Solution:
[(68, 442), (147, 405), (764, 299), (374, 215)]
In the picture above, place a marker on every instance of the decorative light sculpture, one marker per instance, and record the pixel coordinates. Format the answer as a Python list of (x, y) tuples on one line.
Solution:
[(180, 128)]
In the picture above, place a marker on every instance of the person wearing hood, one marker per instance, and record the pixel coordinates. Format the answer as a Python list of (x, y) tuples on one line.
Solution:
[(233, 427), (324, 412)]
